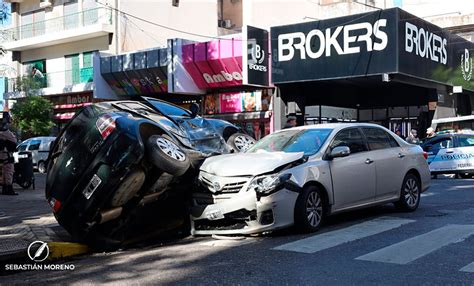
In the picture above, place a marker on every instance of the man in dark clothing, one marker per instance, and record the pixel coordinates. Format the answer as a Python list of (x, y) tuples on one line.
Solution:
[(290, 122), (7, 147)]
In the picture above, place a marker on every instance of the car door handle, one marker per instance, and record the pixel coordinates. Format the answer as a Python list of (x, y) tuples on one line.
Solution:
[(369, 161), (449, 151), (401, 155)]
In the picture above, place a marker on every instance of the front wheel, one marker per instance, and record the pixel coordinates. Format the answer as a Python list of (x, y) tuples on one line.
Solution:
[(166, 155), (309, 209), (466, 175), (240, 142), (410, 194)]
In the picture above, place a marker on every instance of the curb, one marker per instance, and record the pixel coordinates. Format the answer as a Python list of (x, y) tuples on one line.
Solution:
[(59, 250)]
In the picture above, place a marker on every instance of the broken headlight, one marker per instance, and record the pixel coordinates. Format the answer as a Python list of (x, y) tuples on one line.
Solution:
[(267, 184)]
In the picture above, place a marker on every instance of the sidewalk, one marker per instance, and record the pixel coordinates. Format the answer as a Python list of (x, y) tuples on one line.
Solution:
[(26, 218)]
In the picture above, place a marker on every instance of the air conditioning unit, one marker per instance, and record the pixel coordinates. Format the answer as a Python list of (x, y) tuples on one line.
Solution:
[(46, 3), (226, 24)]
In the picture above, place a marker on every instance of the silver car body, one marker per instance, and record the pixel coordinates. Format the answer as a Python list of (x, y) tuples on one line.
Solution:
[(226, 206)]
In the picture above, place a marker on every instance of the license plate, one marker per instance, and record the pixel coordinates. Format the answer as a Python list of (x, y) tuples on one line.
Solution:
[(22, 156), (215, 215), (93, 185)]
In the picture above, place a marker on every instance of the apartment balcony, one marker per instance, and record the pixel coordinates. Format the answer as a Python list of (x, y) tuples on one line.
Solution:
[(51, 83), (74, 27)]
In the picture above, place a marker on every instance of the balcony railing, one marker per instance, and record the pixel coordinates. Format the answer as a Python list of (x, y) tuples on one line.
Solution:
[(65, 23), (54, 79)]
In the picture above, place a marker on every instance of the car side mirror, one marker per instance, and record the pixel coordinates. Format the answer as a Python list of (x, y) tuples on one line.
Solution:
[(340, 151), (194, 108)]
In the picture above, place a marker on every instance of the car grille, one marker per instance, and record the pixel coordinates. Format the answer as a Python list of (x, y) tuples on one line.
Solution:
[(233, 220), (231, 188)]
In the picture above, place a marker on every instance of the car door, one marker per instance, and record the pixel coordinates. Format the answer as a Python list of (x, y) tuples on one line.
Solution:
[(464, 152), (440, 151), (353, 177), (390, 161)]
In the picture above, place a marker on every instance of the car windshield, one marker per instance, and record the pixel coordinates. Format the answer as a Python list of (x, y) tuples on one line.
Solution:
[(168, 109), (307, 141)]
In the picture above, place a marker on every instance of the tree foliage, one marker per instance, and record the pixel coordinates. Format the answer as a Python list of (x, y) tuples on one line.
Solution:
[(32, 116)]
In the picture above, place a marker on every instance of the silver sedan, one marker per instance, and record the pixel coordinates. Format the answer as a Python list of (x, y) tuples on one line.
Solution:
[(299, 176)]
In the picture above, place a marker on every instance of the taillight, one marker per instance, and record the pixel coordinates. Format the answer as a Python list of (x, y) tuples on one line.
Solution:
[(425, 154), (55, 204), (106, 124)]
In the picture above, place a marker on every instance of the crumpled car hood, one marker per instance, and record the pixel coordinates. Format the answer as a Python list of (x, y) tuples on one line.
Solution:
[(248, 164)]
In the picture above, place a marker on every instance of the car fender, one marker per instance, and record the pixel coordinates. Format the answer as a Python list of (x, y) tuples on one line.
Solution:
[(221, 127)]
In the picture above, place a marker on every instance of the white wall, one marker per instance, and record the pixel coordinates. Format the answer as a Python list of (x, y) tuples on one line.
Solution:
[(192, 16)]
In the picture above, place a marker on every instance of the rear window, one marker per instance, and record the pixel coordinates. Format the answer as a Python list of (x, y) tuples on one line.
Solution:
[(466, 141), (34, 145), (379, 139)]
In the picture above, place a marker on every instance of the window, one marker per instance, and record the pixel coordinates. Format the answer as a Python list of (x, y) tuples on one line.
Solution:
[(466, 141), (351, 138), (32, 24), (34, 145), (442, 143), (37, 70), (22, 146), (71, 15), (72, 69), (170, 110), (379, 139), (307, 141)]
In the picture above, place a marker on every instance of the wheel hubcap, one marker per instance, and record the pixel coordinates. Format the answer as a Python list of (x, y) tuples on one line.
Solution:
[(243, 143), (412, 193), (314, 209), (170, 149)]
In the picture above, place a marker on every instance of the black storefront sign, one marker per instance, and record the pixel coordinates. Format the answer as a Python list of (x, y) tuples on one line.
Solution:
[(387, 41), (257, 56)]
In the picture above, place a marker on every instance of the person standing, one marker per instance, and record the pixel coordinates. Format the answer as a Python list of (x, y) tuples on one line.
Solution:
[(413, 137), (290, 122), (430, 132), (7, 147)]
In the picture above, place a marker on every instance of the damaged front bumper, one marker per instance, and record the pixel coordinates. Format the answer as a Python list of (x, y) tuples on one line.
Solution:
[(242, 213)]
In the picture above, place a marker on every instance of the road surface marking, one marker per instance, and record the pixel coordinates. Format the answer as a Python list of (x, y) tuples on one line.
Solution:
[(427, 194), (330, 239), (421, 245), (468, 268)]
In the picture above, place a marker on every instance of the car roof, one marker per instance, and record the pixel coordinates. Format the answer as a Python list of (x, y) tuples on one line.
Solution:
[(336, 126)]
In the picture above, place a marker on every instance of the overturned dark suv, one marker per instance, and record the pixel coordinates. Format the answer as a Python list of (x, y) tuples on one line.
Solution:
[(115, 157)]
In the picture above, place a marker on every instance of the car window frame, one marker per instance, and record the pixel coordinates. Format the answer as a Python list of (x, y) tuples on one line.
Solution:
[(457, 144), (386, 134), (328, 148), (443, 138)]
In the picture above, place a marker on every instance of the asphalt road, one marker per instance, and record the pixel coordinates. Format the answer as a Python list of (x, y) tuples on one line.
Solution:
[(379, 246)]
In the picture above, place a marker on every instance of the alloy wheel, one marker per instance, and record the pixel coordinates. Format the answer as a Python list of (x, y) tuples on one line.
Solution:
[(412, 192), (314, 209), (170, 149), (243, 143)]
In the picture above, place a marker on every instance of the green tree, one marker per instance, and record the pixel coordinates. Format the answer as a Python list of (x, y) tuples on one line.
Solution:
[(32, 116)]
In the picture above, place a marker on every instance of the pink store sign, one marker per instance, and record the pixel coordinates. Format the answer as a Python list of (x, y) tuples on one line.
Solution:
[(214, 64), (230, 102)]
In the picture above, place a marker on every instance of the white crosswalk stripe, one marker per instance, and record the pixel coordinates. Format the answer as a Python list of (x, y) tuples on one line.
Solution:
[(421, 245), (330, 239), (468, 268)]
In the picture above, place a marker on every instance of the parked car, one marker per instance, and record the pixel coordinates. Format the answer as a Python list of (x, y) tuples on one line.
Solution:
[(114, 157), (301, 175), (39, 148), (451, 153)]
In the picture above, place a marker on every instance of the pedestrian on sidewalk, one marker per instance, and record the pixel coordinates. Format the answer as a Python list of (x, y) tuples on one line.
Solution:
[(7, 147)]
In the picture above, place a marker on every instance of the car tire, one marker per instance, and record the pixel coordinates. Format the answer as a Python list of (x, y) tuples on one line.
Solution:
[(465, 175), (410, 193), (310, 209), (240, 142), (167, 155), (41, 167)]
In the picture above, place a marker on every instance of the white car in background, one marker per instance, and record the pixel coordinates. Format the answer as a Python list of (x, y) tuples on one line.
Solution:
[(39, 148), (299, 176)]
